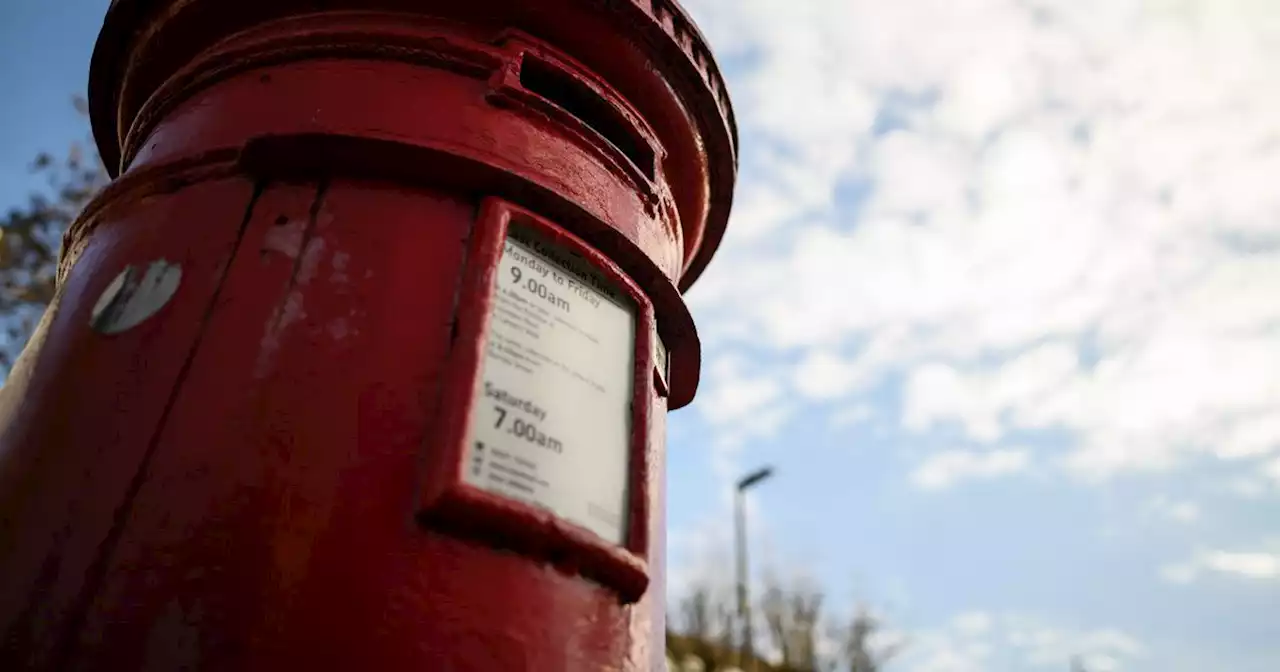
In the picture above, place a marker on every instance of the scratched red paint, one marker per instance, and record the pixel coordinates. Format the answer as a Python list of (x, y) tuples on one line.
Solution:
[(258, 475)]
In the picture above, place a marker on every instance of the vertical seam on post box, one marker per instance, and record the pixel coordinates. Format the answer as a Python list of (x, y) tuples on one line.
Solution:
[(313, 216), (281, 310), (97, 571), (466, 259), (435, 400)]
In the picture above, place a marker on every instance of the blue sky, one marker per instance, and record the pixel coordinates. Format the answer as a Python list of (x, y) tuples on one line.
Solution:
[(998, 300), (44, 63)]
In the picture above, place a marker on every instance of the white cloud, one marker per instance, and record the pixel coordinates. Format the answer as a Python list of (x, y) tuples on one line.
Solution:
[(743, 403), (953, 658), (1049, 646), (1257, 565), (1272, 470), (973, 622), (1069, 226), (697, 557), (1182, 511), (1182, 573), (938, 391), (736, 395), (982, 641), (824, 375), (1249, 565), (1247, 487), (948, 468)]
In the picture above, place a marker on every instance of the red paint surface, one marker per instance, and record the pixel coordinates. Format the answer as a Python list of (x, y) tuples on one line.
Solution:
[(263, 474)]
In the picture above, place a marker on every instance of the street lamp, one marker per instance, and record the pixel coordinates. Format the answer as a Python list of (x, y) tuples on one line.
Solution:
[(747, 652)]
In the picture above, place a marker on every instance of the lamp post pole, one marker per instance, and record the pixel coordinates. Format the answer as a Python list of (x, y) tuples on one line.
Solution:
[(747, 651)]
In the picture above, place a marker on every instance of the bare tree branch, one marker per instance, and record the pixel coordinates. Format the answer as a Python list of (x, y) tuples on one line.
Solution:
[(31, 236)]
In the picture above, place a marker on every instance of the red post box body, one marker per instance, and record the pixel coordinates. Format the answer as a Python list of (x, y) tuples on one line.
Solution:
[(296, 402)]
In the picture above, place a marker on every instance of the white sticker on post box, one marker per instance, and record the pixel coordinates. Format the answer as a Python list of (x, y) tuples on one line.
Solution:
[(551, 422)]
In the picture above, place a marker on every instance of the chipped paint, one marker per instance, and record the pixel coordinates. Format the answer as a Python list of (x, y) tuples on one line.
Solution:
[(339, 329), (285, 237), (134, 296), (290, 310), (340, 260), (286, 314), (310, 261)]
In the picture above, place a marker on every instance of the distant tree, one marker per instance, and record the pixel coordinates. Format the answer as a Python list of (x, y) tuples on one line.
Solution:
[(706, 629), (860, 648), (792, 614), (800, 634), (31, 238)]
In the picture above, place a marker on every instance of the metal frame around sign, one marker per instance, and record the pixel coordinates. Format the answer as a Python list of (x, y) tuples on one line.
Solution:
[(448, 502)]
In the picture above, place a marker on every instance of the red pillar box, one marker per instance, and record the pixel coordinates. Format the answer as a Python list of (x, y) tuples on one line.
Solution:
[(362, 363)]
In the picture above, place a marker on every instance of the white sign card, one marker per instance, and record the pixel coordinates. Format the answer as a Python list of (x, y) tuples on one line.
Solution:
[(551, 421)]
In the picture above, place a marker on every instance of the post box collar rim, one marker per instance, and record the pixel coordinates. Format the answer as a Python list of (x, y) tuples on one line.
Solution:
[(661, 20)]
